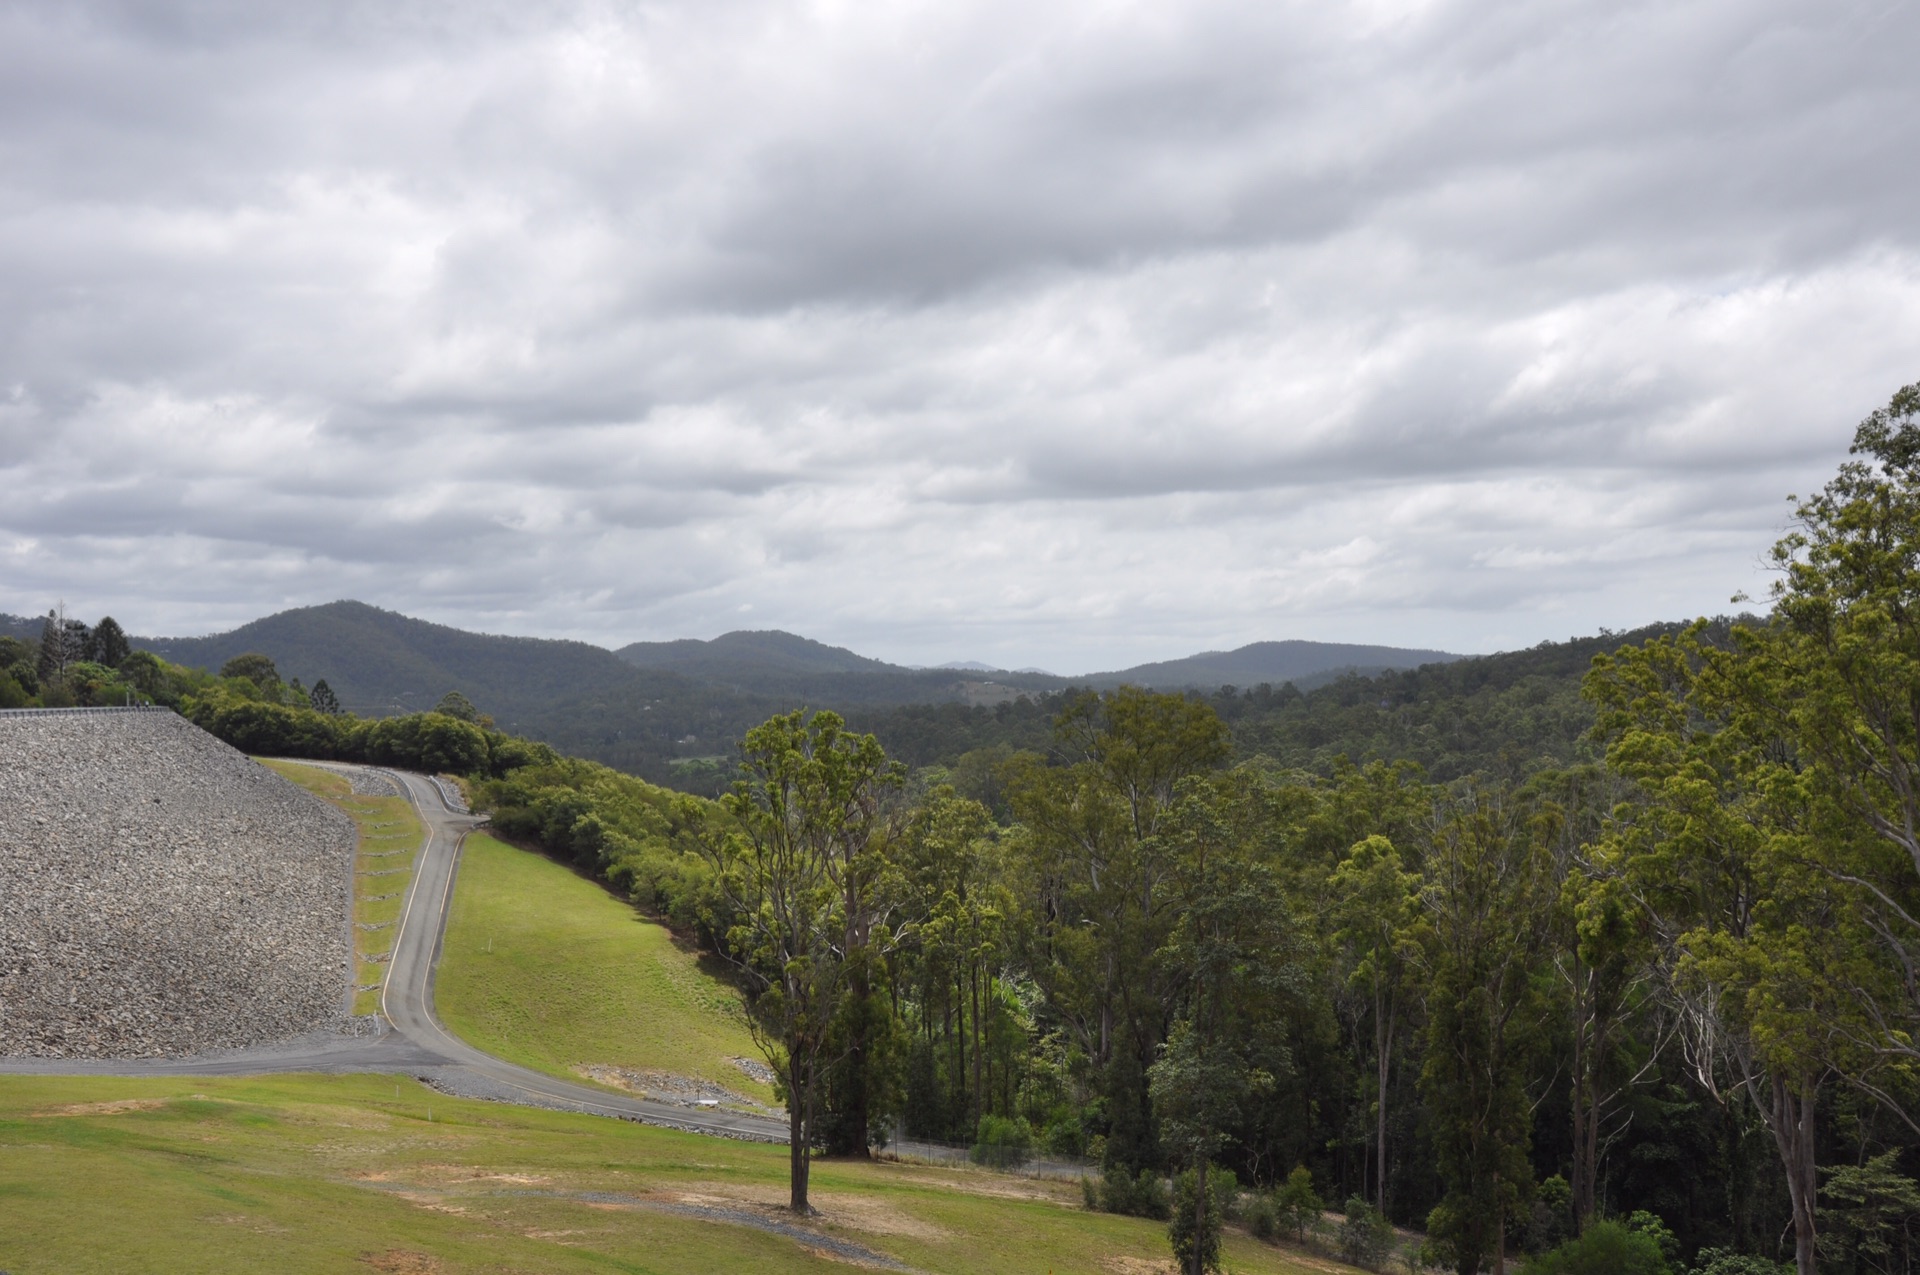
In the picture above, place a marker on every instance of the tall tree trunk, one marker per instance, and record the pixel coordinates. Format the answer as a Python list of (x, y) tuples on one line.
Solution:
[(1499, 1229), (799, 1144), (1106, 1016), (1793, 1131), (855, 1132), (973, 980), (1196, 1261), (1586, 1107), (959, 1086), (1382, 1051)]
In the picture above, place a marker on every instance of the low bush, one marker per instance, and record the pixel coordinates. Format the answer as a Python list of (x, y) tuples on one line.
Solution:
[(1724, 1261), (1261, 1217), (1366, 1237), (1137, 1195), (1002, 1143), (1607, 1248), (1297, 1206)]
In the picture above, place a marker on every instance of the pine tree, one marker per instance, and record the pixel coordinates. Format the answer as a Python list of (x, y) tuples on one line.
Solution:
[(323, 699), (110, 645), (53, 646)]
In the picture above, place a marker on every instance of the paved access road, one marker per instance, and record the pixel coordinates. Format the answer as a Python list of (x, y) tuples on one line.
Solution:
[(414, 1040)]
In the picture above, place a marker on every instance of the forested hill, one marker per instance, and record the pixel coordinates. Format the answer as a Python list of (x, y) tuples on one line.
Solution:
[(380, 662), (672, 712), (767, 650), (1305, 664), (1506, 714), (798, 670), (776, 663), (582, 699)]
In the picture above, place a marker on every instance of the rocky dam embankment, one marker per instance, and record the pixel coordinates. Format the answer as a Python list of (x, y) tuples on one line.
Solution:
[(161, 894)]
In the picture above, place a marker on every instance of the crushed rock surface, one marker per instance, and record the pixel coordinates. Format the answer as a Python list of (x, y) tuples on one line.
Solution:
[(371, 783), (161, 894), (667, 1087)]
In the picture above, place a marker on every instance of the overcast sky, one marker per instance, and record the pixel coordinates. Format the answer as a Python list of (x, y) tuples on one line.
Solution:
[(1064, 334)]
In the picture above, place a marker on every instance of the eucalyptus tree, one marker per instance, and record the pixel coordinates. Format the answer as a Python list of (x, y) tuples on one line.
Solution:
[(1762, 948), (1237, 964), (1486, 896), (1377, 939), (1837, 676), (795, 875), (1101, 875)]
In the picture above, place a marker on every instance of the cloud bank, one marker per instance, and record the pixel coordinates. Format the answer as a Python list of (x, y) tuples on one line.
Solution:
[(1070, 335)]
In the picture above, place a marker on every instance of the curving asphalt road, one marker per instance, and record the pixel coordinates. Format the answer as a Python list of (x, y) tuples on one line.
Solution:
[(414, 1040)]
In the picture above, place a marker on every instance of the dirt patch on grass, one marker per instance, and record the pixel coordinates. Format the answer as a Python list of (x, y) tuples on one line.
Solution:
[(1138, 1266), (400, 1261), (836, 1208), (431, 1203), (120, 1107), (457, 1175), (1314, 1262), (338, 1116), (993, 1186)]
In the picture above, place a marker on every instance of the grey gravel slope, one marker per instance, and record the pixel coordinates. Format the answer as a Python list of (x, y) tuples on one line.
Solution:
[(161, 894)]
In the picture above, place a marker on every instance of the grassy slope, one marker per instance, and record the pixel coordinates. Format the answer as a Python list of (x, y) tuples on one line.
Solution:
[(302, 1173), (389, 846), (547, 969)]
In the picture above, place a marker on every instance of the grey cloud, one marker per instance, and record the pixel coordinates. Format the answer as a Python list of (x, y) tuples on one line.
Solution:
[(1077, 335)]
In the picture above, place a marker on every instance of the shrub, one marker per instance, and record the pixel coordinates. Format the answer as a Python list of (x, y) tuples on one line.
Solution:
[(1137, 1195), (1551, 1222), (1262, 1218), (1297, 1207), (1650, 1225), (1724, 1261), (1366, 1237), (1001, 1143), (1607, 1248), (1063, 1134), (1195, 1244)]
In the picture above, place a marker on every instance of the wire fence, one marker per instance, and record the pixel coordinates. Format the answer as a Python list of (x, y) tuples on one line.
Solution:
[(1000, 1159), (83, 712)]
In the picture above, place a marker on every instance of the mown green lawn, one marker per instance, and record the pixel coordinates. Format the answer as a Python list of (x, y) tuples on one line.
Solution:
[(545, 968), (390, 836), (292, 1174)]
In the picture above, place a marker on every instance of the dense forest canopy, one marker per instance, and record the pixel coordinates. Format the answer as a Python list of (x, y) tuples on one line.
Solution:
[(1596, 957)]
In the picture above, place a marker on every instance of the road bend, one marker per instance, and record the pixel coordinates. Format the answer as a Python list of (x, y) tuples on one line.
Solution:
[(413, 1039)]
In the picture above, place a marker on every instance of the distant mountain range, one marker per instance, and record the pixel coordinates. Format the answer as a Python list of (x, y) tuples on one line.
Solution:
[(770, 660), (759, 650), (1305, 664), (648, 705)]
